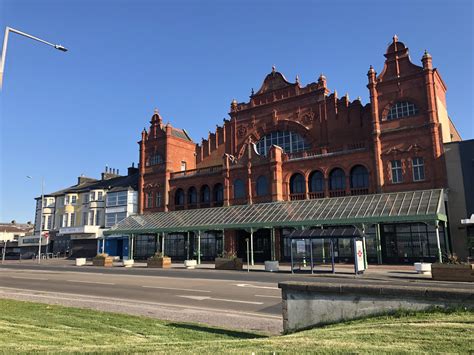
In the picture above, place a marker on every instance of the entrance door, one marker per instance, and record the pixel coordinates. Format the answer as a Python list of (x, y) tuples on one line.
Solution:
[(119, 250), (261, 245)]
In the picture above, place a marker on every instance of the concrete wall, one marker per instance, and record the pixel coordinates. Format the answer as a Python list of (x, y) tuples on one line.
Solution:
[(309, 304)]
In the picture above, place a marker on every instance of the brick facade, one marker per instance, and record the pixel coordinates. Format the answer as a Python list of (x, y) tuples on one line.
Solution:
[(338, 132)]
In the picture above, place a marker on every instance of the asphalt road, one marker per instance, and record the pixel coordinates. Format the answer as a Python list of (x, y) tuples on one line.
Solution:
[(230, 299)]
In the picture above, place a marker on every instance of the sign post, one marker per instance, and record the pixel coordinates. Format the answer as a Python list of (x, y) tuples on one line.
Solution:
[(248, 254)]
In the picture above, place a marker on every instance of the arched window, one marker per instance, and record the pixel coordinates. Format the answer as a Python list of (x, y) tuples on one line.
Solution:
[(297, 185), (218, 193), (290, 142), (337, 180), (192, 196), (239, 189), (359, 177), (316, 181), (262, 186), (179, 197), (205, 194), (402, 109), (155, 159)]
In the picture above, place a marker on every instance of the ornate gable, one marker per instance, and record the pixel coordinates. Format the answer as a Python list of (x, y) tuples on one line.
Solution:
[(274, 81)]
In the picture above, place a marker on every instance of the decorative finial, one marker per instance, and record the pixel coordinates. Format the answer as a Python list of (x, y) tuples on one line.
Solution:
[(252, 92), (371, 69), (273, 68), (359, 99), (347, 96), (426, 54), (156, 112), (297, 79), (395, 38)]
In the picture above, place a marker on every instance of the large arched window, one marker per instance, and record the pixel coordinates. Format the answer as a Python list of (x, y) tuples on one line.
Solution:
[(205, 194), (290, 142), (337, 180), (316, 181), (239, 189), (402, 109), (179, 197), (297, 184), (192, 196), (262, 186), (218, 193), (359, 177)]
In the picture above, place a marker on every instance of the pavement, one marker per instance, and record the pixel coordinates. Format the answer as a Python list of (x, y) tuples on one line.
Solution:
[(240, 300)]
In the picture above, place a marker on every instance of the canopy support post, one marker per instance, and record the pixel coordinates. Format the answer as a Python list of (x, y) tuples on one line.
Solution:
[(364, 246), (291, 254), (251, 247), (187, 246), (163, 243), (157, 242), (272, 241), (223, 241), (378, 243), (131, 247), (440, 255), (332, 256), (311, 254), (199, 248), (446, 239)]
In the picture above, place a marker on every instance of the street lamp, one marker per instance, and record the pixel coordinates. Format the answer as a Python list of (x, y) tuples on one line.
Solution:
[(41, 217), (5, 43)]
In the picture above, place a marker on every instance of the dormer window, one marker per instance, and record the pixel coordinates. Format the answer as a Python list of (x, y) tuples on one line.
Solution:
[(402, 109)]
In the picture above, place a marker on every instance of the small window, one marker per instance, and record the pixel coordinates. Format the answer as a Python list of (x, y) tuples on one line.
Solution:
[(155, 159), (183, 166), (262, 186), (84, 218), (97, 218), (192, 196), (99, 196), (397, 174), (91, 218), (239, 189), (359, 177), (218, 193), (158, 199), (316, 182), (73, 200), (418, 169), (402, 109), (149, 200)]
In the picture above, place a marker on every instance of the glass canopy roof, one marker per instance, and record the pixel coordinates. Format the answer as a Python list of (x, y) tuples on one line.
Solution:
[(412, 206)]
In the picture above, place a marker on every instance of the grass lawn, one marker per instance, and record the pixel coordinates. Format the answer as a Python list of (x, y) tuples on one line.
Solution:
[(31, 327)]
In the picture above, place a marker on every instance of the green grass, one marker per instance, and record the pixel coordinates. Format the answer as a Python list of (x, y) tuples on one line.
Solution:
[(33, 327)]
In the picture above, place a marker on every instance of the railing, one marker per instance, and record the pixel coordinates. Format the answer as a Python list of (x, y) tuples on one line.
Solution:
[(298, 196), (337, 193), (360, 191), (313, 195), (201, 171), (336, 150)]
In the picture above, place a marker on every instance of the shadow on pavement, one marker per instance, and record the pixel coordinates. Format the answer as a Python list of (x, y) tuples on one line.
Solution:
[(206, 329)]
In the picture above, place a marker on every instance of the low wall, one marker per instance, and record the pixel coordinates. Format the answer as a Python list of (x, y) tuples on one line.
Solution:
[(309, 304)]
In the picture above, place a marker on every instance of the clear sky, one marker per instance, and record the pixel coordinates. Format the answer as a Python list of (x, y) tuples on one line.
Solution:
[(67, 114)]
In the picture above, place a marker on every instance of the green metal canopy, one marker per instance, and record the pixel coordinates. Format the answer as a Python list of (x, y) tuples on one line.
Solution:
[(412, 206)]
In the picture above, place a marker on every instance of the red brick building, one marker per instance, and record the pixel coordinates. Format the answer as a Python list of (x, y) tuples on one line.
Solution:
[(293, 142)]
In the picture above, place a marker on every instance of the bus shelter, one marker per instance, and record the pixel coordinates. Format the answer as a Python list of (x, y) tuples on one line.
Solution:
[(302, 240)]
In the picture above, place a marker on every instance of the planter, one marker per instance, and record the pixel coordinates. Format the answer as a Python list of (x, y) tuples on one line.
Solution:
[(453, 272), (228, 264), (161, 263), (423, 268), (190, 264), (272, 266), (80, 261), (128, 263), (107, 261)]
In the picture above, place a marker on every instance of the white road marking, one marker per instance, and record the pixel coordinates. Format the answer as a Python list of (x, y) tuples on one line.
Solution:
[(176, 289), (202, 298), (92, 282), (255, 286), (267, 296), (28, 278)]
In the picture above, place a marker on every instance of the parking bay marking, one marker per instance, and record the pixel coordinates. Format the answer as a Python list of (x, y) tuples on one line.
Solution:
[(176, 289), (202, 298), (92, 282), (255, 286)]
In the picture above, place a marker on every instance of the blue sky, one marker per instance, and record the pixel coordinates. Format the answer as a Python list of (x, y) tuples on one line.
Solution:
[(66, 114)]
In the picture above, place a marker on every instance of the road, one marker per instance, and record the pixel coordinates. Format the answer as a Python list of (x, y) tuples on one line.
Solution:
[(237, 300)]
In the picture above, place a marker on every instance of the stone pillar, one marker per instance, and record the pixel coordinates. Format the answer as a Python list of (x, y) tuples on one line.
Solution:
[(277, 174)]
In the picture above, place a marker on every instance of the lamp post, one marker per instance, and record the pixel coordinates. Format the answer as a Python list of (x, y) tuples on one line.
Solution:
[(41, 218), (5, 43)]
